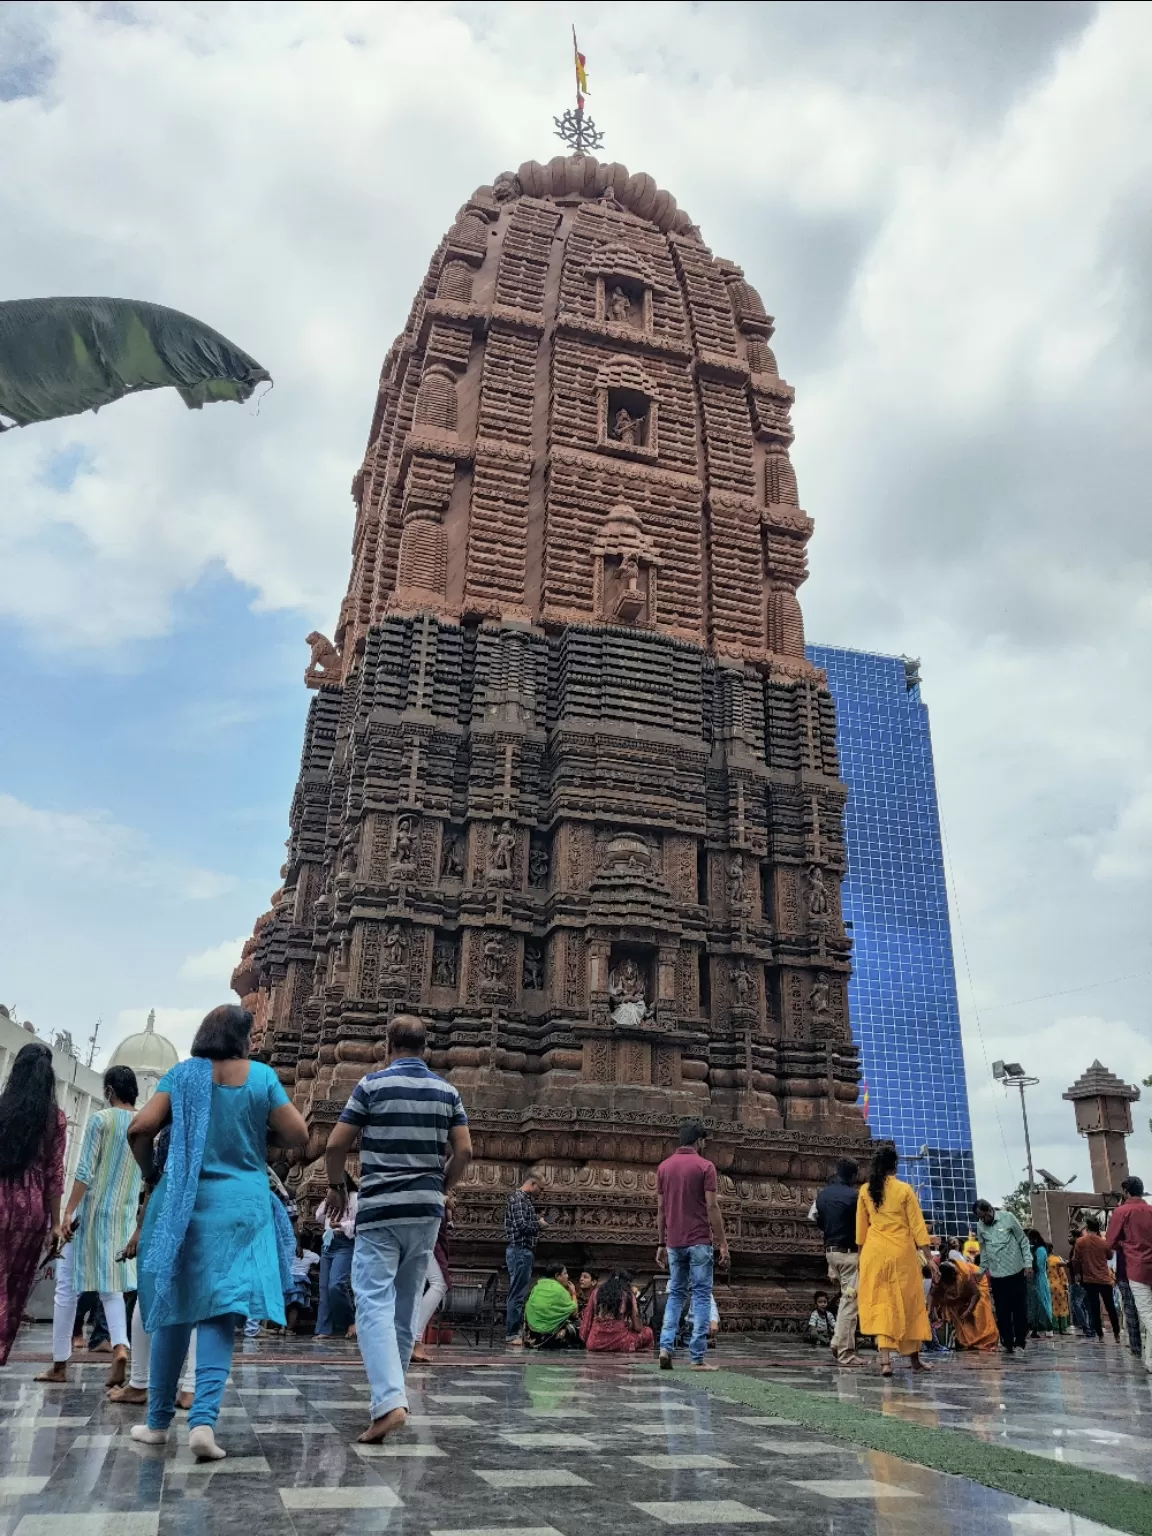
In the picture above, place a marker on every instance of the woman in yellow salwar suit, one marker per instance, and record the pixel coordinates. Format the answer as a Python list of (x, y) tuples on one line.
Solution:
[(889, 1231)]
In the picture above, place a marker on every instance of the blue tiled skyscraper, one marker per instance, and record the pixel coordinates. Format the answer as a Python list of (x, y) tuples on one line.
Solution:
[(902, 996)]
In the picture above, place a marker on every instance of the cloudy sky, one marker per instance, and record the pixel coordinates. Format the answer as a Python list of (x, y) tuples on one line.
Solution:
[(948, 208)]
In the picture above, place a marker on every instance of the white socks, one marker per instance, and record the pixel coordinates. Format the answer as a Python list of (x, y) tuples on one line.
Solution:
[(202, 1444), (148, 1436)]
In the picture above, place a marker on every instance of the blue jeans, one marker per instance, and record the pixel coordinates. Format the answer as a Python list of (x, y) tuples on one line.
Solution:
[(336, 1308), (519, 1262), (389, 1265), (215, 1340), (688, 1268)]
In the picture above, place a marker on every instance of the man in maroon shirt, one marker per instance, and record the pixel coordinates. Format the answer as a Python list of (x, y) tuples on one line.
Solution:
[(1130, 1231), (689, 1226)]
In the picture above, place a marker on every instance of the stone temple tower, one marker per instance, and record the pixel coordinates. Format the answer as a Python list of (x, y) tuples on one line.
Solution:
[(569, 787)]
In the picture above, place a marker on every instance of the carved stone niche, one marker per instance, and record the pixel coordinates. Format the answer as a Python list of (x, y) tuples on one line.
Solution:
[(631, 986), (539, 862), (625, 566), (453, 852), (446, 963), (624, 287), (627, 410)]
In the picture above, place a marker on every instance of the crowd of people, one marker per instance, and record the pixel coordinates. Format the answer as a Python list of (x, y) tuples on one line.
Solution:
[(179, 1208), (993, 1289)]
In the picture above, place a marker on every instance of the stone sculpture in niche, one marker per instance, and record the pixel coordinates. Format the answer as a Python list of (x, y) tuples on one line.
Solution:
[(626, 994), (533, 967), (742, 985), (394, 950), (817, 892), (495, 958), (500, 859), (538, 865), (737, 882), (626, 428), (403, 847), (821, 998), (619, 305), (452, 859), (444, 969)]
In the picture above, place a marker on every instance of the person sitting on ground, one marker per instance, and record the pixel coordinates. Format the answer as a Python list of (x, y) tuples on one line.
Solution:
[(551, 1312), (584, 1288), (611, 1322), (821, 1323), (300, 1294)]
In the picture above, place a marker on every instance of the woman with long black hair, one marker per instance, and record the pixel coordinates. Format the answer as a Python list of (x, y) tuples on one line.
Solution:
[(32, 1134), (889, 1230)]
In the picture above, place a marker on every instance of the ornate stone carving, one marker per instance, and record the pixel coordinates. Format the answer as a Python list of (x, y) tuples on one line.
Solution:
[(566, 722), (403, 861), (324, 665), (533, 967), (501, 854), (626, 992)]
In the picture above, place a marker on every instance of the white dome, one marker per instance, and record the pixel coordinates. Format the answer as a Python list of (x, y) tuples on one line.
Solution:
[(146, 1053)]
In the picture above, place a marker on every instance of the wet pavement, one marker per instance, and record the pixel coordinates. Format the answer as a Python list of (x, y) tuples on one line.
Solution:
[(501, 1444)]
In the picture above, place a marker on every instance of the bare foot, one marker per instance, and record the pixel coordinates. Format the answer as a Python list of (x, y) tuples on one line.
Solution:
[(56, 1373), (100, 1349), (885, 1370), (849, 1362), (351, 1334), (702, 1365), (665, 1360), (421, 1356), (918, 1365), (380, 1429), (118, 1371), (136, 1395)]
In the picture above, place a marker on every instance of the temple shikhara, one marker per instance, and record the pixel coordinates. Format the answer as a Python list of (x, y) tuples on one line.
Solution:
[(569, 787)]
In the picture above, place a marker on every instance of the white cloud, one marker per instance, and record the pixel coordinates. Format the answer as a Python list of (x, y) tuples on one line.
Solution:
[(87, 843), (215, 964), (954, 226)]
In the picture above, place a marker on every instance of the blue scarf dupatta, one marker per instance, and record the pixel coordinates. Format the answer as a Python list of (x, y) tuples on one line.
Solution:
[(191, 1093)]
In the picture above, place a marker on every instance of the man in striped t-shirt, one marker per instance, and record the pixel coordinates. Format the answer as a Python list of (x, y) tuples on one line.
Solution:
[(414, 1144)]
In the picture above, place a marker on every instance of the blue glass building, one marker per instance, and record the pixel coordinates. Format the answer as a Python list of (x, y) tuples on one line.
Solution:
[(902, 996)]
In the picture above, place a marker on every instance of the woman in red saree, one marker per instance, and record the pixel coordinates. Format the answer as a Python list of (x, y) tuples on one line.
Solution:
[(611, 1321), (32, 1130)]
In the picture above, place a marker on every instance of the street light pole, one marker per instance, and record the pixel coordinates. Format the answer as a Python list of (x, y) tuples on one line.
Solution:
[(1012, 1075)]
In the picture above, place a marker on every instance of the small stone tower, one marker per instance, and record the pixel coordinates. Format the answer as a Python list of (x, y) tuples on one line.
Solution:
[(1104, 1114)]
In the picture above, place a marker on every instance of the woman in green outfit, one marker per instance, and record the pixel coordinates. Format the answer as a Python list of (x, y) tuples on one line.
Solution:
[(99, 1220), (551, 1312)]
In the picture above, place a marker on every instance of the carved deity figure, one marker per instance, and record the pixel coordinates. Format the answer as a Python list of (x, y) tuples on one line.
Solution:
[(626, 427), (452, 860), (821, 996), (737, 881), (630, 571), (404, 844), (533, 968), (626, 993), (619, 304), (444, 965), (817, 892), (742, 985), (495, 958), (503, 847), (394, 950), (538, 864)]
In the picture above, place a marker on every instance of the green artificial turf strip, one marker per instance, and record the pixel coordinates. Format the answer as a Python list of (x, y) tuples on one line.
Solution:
[(1111, 1501)]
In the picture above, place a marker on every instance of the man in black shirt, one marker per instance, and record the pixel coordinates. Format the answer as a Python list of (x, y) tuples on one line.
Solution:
[(521, 1229), (835, 1214)]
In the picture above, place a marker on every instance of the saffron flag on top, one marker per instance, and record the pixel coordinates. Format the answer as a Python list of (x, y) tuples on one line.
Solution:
[(581, 73)]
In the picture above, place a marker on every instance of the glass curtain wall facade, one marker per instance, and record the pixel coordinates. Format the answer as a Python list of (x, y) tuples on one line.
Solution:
[(902, 996)]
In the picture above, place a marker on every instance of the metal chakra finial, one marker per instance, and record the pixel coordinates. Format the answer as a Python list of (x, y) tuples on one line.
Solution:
[(580, 133)]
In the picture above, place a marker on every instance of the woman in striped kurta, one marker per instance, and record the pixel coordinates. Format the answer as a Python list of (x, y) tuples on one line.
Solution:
[(101, 1216)]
